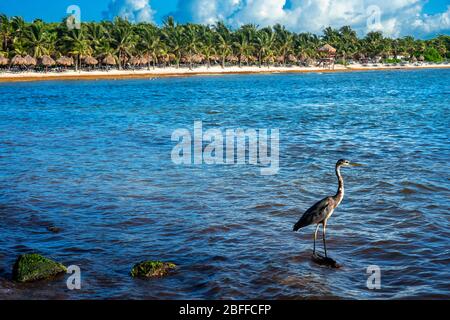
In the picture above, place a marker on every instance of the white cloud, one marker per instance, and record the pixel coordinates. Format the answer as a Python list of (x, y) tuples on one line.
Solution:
[(132, 10), (428, 24), (398, 17)]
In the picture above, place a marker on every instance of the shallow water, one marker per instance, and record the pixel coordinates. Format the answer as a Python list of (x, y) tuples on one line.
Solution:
[(93, 158)]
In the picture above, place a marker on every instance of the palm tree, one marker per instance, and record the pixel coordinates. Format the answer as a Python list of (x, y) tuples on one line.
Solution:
[(409, 45), (6, 32), (77, 45), (243, 46), (104, 49), (331, 36), (190, 42), (173, 42), (443, 44), (307, 45), (373, 43), (207, 44), (284, 41), (421, 46), (395, 48), (348, 42), (18, 27), (224, 42), (173, 36), (97, 36), (264, 45), (37, 39), (150, 43), (123, 40)]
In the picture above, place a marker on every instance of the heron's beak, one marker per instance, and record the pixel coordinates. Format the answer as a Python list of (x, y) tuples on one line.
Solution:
[(353, 164)]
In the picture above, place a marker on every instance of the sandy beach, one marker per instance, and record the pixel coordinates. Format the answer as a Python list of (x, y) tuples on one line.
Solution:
[(7, 76)]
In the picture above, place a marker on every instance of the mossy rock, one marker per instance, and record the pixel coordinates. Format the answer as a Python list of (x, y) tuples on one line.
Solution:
[(32, 267), (152, 269)]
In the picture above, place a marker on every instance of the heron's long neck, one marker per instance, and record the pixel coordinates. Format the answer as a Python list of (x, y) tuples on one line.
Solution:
[(340, 192)]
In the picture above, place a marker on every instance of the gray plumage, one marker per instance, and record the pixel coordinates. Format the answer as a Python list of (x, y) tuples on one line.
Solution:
[(314, 215), (320, 212)]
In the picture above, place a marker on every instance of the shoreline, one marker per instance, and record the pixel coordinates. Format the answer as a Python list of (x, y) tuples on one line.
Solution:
[(114, 74)]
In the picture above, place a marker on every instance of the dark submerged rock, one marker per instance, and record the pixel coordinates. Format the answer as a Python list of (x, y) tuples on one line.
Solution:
[(33, 267), (54, 229), (325, 261), (152, 269)]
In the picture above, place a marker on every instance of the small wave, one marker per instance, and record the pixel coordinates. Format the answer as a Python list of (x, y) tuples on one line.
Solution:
[(422, 186), (407, 191), (268, 206)]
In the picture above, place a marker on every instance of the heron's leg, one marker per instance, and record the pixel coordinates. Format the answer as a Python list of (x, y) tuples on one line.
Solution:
[(315, 237), (323, 237)]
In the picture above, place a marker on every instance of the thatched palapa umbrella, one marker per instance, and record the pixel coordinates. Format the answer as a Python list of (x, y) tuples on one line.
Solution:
[(184, 59), (421, 58), (61, 61), (135, 61), (146, 60), (143, 61), (124, 60), (167, 58), (269, 61), (198, 58), (252, 59), (244, 59), (327, 49), (164, 58), (232, 59), (30, 61), (18, 61), (291, 58), (151, 58), (65, 61), (90, 61), (302, 57), (69, 61), (109, 60), (47, 61), (280, 59), (4, 61)]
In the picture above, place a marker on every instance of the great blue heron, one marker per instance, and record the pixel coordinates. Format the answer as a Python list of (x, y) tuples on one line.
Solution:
[(322, 210)]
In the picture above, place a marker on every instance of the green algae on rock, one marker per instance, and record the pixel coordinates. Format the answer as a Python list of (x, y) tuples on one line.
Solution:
[(152, 269), (32, 267)]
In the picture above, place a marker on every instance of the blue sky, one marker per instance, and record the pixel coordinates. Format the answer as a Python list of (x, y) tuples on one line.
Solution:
[(421, 18), (51, 10)]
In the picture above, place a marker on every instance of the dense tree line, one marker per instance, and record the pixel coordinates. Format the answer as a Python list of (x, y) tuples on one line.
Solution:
[(124, 44)]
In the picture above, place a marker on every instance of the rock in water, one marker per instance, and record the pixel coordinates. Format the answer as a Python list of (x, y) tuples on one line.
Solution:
[(32, 267), (325, 261), (152, 269), (54, 229)]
